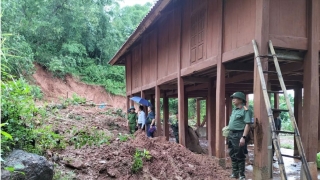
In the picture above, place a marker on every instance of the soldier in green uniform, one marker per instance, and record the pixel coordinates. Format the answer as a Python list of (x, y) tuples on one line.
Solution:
[(174, 126), (239, 126), (132, 119)]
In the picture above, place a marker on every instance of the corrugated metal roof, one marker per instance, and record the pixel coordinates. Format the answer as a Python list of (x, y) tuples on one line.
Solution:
[(144, 24)]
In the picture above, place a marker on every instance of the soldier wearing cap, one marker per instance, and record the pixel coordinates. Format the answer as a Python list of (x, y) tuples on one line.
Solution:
[(132, 119), (239, 126)]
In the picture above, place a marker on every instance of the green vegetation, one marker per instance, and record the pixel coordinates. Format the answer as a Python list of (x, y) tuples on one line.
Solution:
[(138, 158), (123, 137), (88, 137), (69, 37), (286, 146)]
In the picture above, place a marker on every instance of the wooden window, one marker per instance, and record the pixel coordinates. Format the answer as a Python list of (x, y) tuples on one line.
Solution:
[(197, 39)]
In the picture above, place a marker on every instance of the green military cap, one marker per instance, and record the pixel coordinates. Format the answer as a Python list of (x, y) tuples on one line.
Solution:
[(239, 95)]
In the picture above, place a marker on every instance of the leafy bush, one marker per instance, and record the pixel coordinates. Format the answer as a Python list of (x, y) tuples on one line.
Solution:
[(88, 137), (138, 158), (17, 55), (123, 137), (318, 160), (21, 116)]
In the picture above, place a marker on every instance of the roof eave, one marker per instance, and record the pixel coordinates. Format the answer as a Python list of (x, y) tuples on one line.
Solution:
[(145, 23)]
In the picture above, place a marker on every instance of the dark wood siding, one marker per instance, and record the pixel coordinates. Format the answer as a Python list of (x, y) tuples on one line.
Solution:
[(239, 23)]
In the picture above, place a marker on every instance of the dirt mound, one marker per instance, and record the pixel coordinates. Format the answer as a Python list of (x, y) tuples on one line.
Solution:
[(169, 161), (54, 88)]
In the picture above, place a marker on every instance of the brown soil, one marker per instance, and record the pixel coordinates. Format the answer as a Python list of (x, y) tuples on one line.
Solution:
[(169, 160), (55, 88), (113, 161)]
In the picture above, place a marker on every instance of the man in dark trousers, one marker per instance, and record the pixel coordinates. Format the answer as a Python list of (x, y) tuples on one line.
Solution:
[(239, 126)]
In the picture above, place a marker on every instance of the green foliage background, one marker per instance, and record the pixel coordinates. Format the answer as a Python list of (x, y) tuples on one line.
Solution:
[(69, 37)]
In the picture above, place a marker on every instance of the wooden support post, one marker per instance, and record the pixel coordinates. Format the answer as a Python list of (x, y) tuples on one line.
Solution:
[(131, 102), (276, 100), (143, 95), (152, 99), (157, 111), (220, 112), (128, 103), (261, 168), (166, 116), (297, 114), (198, 113), (211, 119), (229, 108), (181, 113), (207, 117), (319, 128), (309, 128), (247, 99)]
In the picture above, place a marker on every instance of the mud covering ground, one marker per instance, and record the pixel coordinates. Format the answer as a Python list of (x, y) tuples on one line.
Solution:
[(55, 88), (169, 160)]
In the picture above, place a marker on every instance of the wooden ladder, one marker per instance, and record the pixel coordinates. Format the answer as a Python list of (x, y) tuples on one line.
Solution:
[(270, 114)]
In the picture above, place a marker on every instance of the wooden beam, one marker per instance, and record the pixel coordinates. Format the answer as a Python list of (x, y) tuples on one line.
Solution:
[(239, 78), (289, 42), (237, 53), (196, 87), (198, 112), (201, 66), (297, 114), (157, 111), (220, 111), (262, 162), (211, 123), (228, 107), (276, 100), (148, 86), (311, 85), (168, 87), (167, 78), (166, 116), (181, 91), (196, 79)]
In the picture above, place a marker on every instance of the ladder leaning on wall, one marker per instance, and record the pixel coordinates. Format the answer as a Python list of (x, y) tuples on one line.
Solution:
[(274, 132)]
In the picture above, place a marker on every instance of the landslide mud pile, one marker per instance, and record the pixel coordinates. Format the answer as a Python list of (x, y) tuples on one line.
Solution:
[(169, 161)]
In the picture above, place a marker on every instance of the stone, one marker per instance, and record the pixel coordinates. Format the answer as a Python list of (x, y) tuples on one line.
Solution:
[(27, 166), (193, 141), (76, 164)]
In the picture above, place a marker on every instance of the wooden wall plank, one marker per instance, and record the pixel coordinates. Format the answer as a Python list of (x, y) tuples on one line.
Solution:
[(163, 50), (212, 28), (173, 36), (288, 18), (145, 61), (153, 55), (239, 23), (136, 67), (185, 39), (128, 74)]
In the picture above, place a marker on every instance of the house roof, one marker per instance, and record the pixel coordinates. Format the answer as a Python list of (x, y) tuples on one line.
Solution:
[(152, 15)]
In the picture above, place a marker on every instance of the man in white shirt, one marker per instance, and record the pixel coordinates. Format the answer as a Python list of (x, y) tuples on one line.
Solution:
[(141, 118)]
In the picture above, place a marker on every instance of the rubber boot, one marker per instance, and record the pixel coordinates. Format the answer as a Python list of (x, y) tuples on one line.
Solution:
[(235, 170), (242, 166)]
